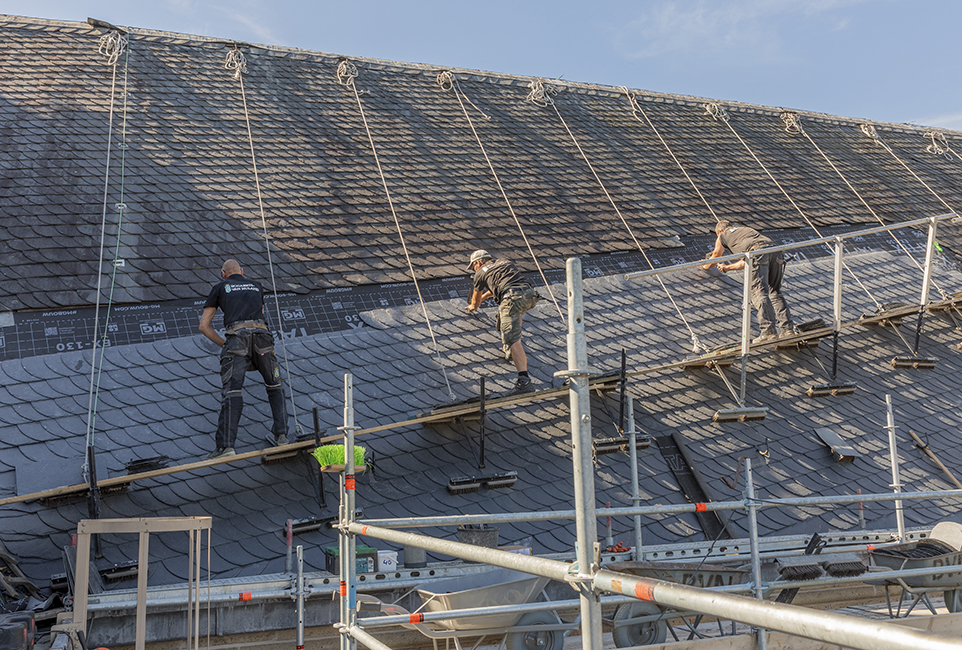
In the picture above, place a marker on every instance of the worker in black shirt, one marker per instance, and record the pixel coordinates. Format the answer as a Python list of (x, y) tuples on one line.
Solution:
[(249, 346), (766, 280), (499, 279)]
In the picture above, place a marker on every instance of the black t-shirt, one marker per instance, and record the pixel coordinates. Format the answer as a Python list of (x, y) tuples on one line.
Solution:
[(496, 277), (239, 298), (740, 239)]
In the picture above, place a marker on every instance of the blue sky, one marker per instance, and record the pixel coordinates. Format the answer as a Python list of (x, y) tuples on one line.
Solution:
[(889, 60)]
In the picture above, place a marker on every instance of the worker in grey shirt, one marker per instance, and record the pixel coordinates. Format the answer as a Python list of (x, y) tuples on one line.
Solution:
[(767, 272)]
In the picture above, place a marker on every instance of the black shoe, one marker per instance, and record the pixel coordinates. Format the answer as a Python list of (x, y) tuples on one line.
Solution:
[(221, 452), (277, 441), (523, 385)]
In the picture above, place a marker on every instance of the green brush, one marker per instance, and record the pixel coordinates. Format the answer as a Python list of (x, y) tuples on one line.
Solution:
[(334, 455)]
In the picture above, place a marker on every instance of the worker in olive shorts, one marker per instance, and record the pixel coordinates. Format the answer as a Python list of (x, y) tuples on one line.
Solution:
[(767, 271), (499, 279), (249, 346)]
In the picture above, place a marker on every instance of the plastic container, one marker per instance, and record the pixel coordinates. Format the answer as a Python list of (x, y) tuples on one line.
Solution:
[(386, 560)]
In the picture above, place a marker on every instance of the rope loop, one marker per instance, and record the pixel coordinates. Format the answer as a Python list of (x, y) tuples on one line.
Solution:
[(716, 112), (346, 73), (633, 102), (235, 61), (792, 124), (446, 80), (939, 145), (112, 45), (870, 131), (540, 94)]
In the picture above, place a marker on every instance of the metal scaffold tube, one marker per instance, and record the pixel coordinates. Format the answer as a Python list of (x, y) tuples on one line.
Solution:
[(633, 456), (586, 523), (894, 456), (839, 629), (835, 629), (347, 538)]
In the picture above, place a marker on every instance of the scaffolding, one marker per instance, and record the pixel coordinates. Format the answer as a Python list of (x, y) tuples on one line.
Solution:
[(586, 576)]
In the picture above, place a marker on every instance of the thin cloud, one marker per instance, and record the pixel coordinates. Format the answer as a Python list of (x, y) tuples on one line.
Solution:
[(707, 27), (951, 121)]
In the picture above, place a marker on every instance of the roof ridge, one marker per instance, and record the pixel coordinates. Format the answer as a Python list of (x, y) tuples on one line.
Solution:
[(580, 86)]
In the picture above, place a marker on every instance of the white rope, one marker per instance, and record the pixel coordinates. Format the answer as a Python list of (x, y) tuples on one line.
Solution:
[(869, 130), (100, 265), (719, 113), (860, 198), (635, 111), (939, 146), (346, 74), (541, 94), (235, 61), (716, 112), (696, 344), (112, 45), (448, 81)]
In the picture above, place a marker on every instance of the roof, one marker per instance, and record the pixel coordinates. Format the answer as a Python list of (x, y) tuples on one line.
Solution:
[(191, 200)]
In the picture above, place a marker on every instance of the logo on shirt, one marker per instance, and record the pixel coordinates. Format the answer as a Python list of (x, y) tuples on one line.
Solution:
[(227, 288)]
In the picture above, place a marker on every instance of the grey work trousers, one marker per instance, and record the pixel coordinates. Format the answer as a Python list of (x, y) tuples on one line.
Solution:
[(766, 285)]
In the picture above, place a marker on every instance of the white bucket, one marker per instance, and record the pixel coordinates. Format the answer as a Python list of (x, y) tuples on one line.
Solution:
[(386, 560)]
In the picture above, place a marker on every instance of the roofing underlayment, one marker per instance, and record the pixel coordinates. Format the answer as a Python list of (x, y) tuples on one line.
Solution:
[(180, 164)]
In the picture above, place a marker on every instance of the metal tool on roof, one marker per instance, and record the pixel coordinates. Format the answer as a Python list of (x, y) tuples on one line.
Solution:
[(621, 442), (465, 484), (928, 452)]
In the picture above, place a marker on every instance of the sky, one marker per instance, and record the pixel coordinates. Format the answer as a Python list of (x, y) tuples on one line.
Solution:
[(887, 60)]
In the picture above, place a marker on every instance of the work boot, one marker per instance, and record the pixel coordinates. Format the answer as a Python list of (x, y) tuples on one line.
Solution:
[(277, 441), (221, 452), (764, 338), (523, 385)]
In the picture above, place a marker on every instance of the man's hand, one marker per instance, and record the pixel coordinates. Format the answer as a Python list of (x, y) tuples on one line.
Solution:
[(471, 308)]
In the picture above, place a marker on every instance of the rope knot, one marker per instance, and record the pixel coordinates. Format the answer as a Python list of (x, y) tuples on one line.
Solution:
[(939, 146), (446, 80), (716, 112), (235, 61), (633, 102), (541, 94), (870, 131), (346, 73), (112, 45), (792, 123)]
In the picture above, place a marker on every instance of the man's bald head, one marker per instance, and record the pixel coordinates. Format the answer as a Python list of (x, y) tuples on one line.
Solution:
[(230, 268)]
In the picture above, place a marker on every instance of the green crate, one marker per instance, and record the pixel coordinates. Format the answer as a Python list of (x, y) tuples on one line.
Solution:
[(365, 560)]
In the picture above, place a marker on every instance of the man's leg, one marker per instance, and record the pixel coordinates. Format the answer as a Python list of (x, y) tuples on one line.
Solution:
[(518, 356), (760, 299), (265, 360), (776, 272), (233, 368), (512, 311)]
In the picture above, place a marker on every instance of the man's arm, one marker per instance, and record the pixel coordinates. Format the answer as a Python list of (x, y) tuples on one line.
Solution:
[(477, 297), (718, 251), (207, 329)]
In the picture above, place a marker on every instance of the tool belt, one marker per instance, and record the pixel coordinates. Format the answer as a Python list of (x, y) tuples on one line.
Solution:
[(247, 325)]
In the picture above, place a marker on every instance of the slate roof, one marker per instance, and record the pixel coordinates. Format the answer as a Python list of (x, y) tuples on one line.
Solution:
[(188, 187)]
